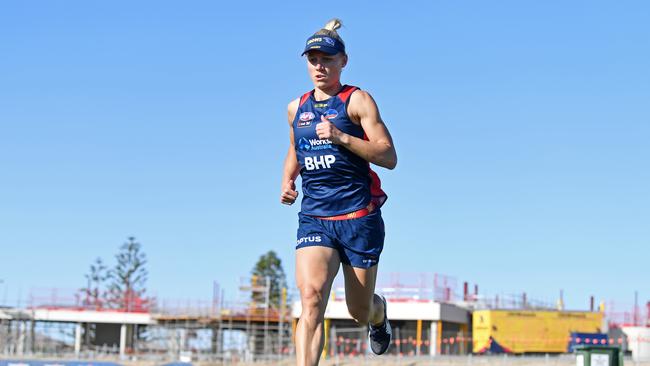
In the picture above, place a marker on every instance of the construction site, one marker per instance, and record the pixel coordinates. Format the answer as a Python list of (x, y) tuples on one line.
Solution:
[(432, 315)]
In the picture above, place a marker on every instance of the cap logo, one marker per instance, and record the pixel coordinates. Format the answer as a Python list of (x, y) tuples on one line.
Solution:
[(313, 40), (329, 41)]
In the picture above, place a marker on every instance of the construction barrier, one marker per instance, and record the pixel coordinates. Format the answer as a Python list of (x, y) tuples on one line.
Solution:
[(407, 346)]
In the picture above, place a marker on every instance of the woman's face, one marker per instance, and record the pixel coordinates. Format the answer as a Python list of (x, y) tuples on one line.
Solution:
[(325, 69)]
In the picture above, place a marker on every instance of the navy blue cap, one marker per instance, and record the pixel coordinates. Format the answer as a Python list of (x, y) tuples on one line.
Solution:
[(325, 44)]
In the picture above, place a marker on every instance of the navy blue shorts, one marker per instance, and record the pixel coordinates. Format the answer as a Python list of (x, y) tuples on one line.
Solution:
[(358, 241)]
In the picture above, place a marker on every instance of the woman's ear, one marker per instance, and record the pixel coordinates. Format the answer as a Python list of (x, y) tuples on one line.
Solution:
[(345, 61)]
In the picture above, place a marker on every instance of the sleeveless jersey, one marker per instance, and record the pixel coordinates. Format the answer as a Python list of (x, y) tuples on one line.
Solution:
[(335, 181)]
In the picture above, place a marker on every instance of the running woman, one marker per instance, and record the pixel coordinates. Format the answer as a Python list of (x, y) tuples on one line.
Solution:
[(335, 133)]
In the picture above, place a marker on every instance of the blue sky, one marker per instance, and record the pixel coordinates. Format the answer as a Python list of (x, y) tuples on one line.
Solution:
[(522, 132)]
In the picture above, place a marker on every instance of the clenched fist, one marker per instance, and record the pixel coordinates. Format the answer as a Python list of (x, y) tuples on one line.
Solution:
[(326, 130), (289, 193)]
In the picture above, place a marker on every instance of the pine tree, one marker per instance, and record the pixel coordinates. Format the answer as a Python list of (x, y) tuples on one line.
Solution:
[(96, 280), (128, 278)]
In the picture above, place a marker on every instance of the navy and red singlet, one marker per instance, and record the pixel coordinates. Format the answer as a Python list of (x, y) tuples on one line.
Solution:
[(335, 181)]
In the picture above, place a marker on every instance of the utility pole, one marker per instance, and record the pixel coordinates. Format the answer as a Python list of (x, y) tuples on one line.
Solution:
[(636, 308), (266, 314), (283, 300)]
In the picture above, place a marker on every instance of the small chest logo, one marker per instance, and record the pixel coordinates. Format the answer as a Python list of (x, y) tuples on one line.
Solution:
[(307, 116), (305, 119), (331, 113)]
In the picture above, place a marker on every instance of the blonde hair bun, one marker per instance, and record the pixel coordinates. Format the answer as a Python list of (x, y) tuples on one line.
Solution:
[(333, 24)]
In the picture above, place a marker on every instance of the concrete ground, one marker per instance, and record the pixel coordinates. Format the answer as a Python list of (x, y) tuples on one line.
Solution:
[(562, 360), (471, 360)]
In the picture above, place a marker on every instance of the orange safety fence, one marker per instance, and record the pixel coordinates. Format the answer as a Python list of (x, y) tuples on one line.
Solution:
[(351, 346)]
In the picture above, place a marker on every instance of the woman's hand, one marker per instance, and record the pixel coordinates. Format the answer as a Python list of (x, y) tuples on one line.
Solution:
[(326, 130), (289, 193)]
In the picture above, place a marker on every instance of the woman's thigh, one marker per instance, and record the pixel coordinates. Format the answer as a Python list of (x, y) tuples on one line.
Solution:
[(316, 267)]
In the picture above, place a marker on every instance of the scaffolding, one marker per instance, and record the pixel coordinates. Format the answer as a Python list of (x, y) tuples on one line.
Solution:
[(252, 327)]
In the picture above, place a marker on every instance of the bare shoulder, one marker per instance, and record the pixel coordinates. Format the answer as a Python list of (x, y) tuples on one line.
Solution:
[(361, 98), (292, 108), (362, 106)]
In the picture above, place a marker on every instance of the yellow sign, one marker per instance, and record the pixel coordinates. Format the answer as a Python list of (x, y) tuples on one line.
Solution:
[(520, 331)]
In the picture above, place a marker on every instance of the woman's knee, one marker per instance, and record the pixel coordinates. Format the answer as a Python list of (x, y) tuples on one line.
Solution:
[(313, 302)]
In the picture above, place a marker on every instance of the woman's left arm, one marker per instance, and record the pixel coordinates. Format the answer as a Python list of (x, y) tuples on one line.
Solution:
[(378, 149)]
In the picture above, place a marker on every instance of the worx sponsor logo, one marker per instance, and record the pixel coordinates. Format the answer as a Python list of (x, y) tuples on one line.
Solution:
[(319, 142), (305, 144)]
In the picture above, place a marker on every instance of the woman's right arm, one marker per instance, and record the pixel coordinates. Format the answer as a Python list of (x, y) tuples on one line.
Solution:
[(291, 168)]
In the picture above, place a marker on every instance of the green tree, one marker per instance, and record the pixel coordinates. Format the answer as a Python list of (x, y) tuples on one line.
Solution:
[(95, 282), (269, 265), (128, 278)]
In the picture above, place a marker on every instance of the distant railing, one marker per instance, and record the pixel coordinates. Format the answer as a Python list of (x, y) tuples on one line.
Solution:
[(60, 298)]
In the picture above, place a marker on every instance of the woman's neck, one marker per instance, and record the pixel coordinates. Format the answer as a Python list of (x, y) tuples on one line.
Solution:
[(327, 92)]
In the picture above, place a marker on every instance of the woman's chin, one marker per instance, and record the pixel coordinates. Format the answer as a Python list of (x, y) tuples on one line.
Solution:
[(322, 83)]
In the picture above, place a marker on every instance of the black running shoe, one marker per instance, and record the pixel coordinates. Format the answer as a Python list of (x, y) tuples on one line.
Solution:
[(380, 336)]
